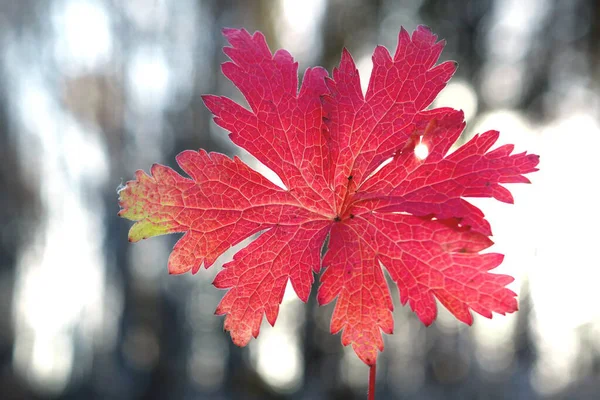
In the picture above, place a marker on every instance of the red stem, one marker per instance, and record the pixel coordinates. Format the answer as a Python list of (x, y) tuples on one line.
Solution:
[(372, 374)]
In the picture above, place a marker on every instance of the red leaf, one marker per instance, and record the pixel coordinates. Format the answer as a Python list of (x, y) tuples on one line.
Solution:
[(327, 142)]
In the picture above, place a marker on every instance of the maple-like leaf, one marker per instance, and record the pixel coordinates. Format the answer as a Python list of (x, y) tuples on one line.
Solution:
[(327, 142)]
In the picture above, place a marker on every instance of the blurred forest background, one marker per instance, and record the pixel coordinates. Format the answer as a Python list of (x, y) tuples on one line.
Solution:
[(91, 90)]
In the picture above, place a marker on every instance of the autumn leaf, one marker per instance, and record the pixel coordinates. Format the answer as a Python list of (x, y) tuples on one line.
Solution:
[(350, 171)]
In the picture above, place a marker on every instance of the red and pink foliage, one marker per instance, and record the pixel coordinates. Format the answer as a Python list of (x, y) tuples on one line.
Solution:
[(327, 142)]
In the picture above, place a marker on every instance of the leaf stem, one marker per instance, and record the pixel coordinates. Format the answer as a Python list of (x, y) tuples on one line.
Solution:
[(372, 374)]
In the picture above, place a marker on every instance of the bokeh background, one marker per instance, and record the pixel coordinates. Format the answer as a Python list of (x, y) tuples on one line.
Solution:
[(92, 90)]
